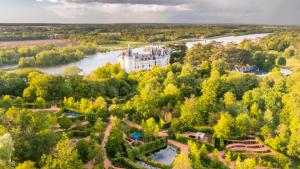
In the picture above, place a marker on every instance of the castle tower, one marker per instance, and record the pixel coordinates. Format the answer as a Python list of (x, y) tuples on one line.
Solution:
[(129, 50)]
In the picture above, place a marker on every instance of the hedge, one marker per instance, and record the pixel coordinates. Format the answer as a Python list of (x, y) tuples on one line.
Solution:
[(204, 129), (153, 163), (152, 146), (127, 163), (78, 133), (184, 140), (144, 149)]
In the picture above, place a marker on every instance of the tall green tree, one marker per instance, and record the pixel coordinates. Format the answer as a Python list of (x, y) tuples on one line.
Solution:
[(182, 161), (65, 156), (6, 149), (224, 126)]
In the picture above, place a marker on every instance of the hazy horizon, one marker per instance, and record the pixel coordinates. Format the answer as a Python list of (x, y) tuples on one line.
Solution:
[(270, 12)]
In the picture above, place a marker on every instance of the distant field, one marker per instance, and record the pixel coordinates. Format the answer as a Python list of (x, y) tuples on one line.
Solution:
[(60, 43), (121, 45)]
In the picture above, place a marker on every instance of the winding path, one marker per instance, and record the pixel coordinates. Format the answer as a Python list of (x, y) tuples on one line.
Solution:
[(51, 109), (107, 162)]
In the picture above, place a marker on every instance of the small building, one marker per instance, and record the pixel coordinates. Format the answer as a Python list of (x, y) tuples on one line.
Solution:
[(200, 135), (150, 57)]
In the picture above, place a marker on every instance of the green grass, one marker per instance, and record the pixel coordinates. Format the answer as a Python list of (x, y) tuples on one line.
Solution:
[(120, 45)]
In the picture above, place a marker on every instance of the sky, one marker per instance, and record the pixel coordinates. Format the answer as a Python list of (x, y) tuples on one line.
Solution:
[(151, 11)]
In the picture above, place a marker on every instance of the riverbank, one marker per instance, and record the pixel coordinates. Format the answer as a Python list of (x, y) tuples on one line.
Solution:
[(92, 62)]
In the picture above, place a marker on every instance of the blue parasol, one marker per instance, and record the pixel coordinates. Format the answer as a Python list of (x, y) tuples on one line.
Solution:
[(136, 135)]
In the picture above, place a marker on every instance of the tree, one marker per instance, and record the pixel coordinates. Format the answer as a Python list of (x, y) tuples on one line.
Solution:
[(6, 149), (191, 113), (99, 125), (34, 133), (243, 124), (238, 57), (65, 122), (182, 162), (40, 103), (281, 140), (248, 163), (96, 154), (195, 155), (65, 156), (115, 143), (170, 79), (210, 92), (26, 165), (203, 151), (72, 70), (82, 147), (290, 51), (224, 126), (150, 127), (294, 142), (18, 102), (6, 102), (171, 94), (200, 53), (228, 158), (281, 61), (229, 98)]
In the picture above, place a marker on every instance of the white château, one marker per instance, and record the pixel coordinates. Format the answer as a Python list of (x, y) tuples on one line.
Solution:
[(150, 57)]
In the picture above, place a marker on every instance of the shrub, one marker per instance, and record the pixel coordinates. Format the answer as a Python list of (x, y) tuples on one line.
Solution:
[(79, 133), (40, 103), (154, 163), (83, 146), (127, 163), (281, 61), (65, 122), (152, 146)]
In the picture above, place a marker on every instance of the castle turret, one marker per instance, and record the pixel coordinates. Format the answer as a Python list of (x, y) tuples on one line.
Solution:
[(129, 50)]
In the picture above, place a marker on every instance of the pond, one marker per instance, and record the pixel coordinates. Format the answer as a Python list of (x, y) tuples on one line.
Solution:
[(165, 156), (91, 62), (72, 113)]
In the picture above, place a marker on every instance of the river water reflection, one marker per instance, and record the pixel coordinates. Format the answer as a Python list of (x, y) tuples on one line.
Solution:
[(91, 62)]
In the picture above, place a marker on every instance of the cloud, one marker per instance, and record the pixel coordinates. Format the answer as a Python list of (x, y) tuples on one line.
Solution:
[(149, 2), (196, 11)]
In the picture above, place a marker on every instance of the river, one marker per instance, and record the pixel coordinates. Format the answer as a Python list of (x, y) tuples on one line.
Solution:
[(91, 62)]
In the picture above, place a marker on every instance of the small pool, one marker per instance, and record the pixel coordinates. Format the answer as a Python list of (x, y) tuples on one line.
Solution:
[(71, 113), (165, 156)]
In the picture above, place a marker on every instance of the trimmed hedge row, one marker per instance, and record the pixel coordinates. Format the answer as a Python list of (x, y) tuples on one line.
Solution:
[(150, 147), (204, 129), (153, 163), (78, 133), (144, 149), (127, 163), (184, 140)]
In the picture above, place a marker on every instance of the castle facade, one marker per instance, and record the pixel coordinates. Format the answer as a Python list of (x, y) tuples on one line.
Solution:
[(150, 57)]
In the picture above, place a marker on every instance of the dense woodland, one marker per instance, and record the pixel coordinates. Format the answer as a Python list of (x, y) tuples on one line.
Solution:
[(198, 91)]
